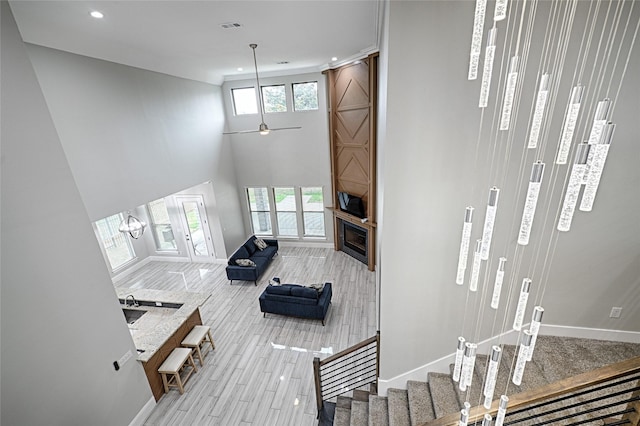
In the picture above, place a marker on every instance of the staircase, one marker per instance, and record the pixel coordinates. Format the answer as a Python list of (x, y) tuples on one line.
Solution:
[(554, 359)]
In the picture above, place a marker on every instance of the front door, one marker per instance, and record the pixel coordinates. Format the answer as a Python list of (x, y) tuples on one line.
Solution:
[(196, 228)]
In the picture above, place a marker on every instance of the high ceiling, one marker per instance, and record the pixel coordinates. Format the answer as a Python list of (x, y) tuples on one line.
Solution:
[(186, 39)]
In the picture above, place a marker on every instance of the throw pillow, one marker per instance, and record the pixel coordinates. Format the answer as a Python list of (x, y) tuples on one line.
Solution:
[(245, 262), (260, 243), (317, 287)]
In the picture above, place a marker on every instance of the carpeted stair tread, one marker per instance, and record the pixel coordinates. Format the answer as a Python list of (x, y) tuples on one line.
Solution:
[(360, 395), (420, 405), (443, 394), (342, 417), (359, 413), (473, 393), (343, 402), (398, 405), (378, 411)]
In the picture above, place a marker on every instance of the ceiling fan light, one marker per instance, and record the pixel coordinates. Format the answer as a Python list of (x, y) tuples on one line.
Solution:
[(264, 130)]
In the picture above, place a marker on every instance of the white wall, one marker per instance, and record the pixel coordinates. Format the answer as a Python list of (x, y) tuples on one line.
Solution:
[(62, 326), (132, 136), (430, 175), (287, 157)]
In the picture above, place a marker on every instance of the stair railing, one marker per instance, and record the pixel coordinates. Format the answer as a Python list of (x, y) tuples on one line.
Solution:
[(349, 369), (610, 394)]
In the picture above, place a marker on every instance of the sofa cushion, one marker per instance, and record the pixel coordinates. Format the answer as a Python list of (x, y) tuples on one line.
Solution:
[(307, 293), (269, 252), (283, 290), (251, 248), (241, 253), (290, 300), (245, 262)]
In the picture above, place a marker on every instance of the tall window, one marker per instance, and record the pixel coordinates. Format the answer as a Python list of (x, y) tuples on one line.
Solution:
[(305, 96), (313, 211), (259, 210), (244, 100), (161, 226), (286, 211), (116, 244), (274, 98)]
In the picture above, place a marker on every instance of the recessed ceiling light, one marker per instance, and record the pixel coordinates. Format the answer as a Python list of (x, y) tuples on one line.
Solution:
[(96, 14), (335, 58), (239, 68)]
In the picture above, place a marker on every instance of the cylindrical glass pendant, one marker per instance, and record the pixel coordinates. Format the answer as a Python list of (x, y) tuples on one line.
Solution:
[(475, 268), (522, 358), (497, 285), (522, 304), (573, 187), (500, 11), (486, 421), (468, 362), (529, 211), (509, 92), (457, 368), (487, 71), (502, 410), (476, 38), (599, 121), (489, 221), (538, 114), (464, 417), (464, 245), (534, 328), (492, 375), (569, 126), (600, 152)]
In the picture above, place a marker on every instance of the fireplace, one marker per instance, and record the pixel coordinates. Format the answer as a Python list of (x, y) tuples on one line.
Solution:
[(353, 241)]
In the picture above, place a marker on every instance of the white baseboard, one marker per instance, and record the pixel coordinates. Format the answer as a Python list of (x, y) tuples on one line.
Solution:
[(143, 414), (176, 259), (510, 337), (297, 243)]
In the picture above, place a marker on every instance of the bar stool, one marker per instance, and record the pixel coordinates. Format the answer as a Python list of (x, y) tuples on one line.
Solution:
[(175, 362), (196, 340)]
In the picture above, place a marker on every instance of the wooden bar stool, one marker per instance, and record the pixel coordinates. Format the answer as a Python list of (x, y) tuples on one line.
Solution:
[(196, 340), (175, 362)]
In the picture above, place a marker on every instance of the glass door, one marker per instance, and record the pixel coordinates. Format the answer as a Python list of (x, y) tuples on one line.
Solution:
[(196, 228)]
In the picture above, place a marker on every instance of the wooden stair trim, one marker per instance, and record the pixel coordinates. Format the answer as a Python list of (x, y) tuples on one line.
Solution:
[(564, 386)]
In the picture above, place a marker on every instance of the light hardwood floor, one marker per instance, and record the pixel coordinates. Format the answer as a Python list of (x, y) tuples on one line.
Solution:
[(261, 371)]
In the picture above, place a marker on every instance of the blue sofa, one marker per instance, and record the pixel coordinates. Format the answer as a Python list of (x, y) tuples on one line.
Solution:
[(296, 301), (262, 259)]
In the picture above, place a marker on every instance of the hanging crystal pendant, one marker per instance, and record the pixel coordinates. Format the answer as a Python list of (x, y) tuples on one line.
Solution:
[(464, 417), (468, 362), (534, 328), (576, 178), (459, 354), (497, 285), (600, 152), (486, 421), (530, 203), (487, 71), (502, 410), (489, 221), (522, 358), (500, 11), (475, 268), (476, 38), (538, 114), (509, 92), (569, 125), (522, 304), (599, 121), (464, 245), (492, 375)]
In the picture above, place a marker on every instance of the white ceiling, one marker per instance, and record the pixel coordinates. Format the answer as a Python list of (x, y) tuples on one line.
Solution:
[(185, 39)]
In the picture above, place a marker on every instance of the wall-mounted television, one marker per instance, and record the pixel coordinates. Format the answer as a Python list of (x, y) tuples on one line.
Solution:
[(351, 204)]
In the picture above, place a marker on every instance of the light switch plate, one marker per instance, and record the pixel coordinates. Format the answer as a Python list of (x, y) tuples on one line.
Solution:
[(616, 311)]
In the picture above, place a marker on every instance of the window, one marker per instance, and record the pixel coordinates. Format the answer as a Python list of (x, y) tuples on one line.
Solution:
[(305, 96), (259, 210), (274, 98), (161, 226), (244, 100), (117, 245), (286, 211), (313, 211)]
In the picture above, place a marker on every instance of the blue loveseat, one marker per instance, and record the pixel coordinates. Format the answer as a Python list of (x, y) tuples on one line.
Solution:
[(249, 250), (296, 301)]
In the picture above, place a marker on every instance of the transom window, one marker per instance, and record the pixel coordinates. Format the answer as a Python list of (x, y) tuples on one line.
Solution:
[(116, 244), (244, 100), (161, 226), (305, 96), (274, 98)]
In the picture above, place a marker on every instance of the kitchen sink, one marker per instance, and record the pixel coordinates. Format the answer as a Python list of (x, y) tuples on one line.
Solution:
[(132, 315)]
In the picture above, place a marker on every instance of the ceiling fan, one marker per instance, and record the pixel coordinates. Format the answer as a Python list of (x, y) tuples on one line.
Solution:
[(263, 129)]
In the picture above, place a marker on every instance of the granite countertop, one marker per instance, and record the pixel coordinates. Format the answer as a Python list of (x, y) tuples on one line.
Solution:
[(153, 329)]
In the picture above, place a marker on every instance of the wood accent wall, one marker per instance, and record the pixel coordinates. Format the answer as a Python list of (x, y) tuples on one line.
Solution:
[(353, 102)]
